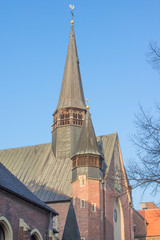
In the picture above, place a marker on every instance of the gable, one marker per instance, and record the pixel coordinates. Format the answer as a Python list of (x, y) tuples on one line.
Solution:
[(106, 146), (113, 161)]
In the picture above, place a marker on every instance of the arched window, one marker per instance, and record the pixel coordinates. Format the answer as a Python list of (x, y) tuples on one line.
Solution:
[(33, 238), (35, 235), (5, 229), (2, 236), (118, 220)]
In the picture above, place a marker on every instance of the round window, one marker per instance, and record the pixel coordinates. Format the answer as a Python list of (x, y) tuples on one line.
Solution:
[(115, 215)]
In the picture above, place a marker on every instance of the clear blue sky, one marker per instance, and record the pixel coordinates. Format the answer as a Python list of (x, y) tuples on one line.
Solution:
[(112, 40)]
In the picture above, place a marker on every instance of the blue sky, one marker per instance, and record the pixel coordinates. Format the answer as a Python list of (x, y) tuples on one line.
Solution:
[(112, 41)]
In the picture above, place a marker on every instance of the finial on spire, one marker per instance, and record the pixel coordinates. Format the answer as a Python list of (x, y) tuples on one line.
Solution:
[(72, 7), (87, 100)]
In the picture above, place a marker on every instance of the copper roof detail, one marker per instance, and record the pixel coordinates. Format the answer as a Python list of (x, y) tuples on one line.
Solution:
[(87, 143), (71, 94)]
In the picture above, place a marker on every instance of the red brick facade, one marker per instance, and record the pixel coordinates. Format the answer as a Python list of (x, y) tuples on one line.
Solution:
[(100, 224), (151, 216), (123, 197), (90, 221), (62, 209), (34, 218)]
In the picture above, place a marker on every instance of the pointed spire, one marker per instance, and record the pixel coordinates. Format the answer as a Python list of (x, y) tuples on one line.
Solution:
[(71, 94), (87, 143)]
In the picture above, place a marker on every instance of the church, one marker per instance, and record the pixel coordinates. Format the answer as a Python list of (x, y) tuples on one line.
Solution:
[(79, 175)]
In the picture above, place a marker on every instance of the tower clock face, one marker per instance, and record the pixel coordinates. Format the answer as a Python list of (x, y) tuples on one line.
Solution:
[(115, 215)]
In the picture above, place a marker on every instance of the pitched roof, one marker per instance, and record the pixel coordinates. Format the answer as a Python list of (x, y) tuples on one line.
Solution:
[(47, 177), (71, 94), (87, 141), (36, 167), (152, 216), (10, 183), (106, 145), (71, 230)]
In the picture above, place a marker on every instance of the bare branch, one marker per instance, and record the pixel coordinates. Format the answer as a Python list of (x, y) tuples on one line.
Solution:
[(146, 172), (153, 56)]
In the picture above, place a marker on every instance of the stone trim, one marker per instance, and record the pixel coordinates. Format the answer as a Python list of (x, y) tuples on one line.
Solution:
[(23, 225), (6, 227)]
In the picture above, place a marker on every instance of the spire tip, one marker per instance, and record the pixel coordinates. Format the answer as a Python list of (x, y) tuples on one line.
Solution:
[(72, 22), (72, 7)]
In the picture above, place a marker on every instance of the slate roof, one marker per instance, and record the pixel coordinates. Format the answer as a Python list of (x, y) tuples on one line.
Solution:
[(71, 231), (10, 183), (71, 94), (87, 143), (36, 167), (106, 145), (48, 178)]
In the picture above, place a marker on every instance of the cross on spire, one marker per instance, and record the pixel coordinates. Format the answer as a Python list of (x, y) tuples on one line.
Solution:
[(72, 7)]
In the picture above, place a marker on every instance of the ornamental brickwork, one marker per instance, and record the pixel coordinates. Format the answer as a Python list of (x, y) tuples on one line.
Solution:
[(68, 116)]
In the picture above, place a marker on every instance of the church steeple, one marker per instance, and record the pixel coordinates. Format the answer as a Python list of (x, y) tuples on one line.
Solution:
[(71, 94), (70, 112)]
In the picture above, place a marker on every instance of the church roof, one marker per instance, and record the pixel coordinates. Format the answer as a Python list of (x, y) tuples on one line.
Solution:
[(10, 183), (71, 94), (87, 143), (36, 167), (71, 230), (47, 177)]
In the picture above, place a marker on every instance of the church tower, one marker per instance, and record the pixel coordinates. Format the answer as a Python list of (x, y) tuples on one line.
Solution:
[(70, 112), (87, 189)]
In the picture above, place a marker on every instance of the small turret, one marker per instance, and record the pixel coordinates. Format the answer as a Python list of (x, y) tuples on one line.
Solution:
[(87, 189), (87, 158)]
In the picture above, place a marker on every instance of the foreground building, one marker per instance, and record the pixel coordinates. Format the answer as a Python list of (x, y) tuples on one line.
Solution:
[(80, 175), (147, 224), (22, 215)]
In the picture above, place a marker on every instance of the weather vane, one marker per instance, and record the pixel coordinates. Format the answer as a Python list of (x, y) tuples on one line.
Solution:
[(87, 100), (72, 7)]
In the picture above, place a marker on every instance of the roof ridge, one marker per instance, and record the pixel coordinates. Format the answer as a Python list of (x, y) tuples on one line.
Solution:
[(30, 146)]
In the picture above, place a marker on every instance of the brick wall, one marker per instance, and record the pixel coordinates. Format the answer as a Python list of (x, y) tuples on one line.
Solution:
[(13, 208), (111, 195), (89, 222), (62, 209), (140, 226)]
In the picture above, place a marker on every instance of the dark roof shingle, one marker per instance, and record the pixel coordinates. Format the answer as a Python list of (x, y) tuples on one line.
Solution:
[(10, 183)]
